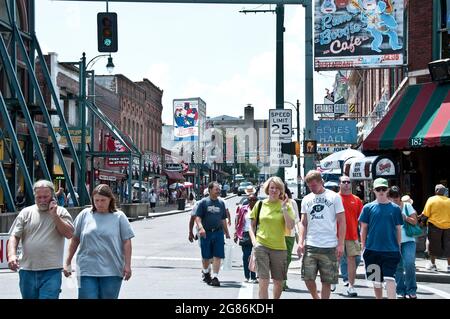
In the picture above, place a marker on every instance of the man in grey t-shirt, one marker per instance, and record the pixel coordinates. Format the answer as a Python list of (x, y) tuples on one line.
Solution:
[(42, 228)]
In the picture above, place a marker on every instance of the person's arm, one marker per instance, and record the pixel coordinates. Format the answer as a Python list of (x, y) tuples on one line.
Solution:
[(363, 235), (191, 226), (73, 246), (127, 254), (225, 228), (63, 227), (228, 216), (399, 235), (13, 260), (303, 227), (288, 220), (201, 230), (340, 218), (252, 231)]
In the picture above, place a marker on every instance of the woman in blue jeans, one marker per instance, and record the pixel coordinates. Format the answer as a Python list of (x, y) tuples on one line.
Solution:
[(243, 224), (405, 276), (103, 235)]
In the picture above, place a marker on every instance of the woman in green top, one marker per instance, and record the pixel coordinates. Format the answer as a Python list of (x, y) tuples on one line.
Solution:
[(270, 220)]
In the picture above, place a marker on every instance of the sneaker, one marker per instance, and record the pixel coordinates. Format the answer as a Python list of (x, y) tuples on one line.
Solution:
[(207, 278), (401, 296), (254, 281), (411, 296), (346, 283), (430, 266), (215, 282), (351, 292), (332, 287)]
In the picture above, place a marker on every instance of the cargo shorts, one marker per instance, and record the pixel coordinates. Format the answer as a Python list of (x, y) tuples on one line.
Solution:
[(322, 260)]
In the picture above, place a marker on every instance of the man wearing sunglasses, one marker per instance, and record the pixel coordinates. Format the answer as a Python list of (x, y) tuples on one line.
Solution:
[(381, 222)]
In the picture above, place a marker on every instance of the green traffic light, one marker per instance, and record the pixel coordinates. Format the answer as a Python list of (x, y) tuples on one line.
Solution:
[(107, 42)]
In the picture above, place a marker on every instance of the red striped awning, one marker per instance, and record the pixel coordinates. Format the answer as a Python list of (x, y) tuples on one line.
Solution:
[(418, 118)]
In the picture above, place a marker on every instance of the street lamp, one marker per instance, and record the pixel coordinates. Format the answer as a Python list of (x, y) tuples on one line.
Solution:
[(297, 108), (109, 66)]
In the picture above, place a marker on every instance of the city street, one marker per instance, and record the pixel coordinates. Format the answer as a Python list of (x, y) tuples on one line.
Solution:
[(167, 266)]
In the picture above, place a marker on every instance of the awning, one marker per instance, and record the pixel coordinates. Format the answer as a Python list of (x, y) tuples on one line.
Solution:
[(419, 118), (176, 176)]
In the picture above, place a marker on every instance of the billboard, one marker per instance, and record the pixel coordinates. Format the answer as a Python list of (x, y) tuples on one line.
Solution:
[(335, 131), (185, 120), (358, 34)]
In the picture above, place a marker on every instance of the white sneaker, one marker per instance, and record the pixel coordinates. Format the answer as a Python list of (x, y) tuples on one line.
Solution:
[(430, 266), (346, 283), (351, 292), (332, 287)]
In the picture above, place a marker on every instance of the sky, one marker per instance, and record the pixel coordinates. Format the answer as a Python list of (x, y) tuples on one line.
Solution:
[(189, 50), (214, 52)]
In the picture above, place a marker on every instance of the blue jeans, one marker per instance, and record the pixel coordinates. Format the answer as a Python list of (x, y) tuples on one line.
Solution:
[(246, 251), (99, 287), (405, 276), (40, 284), (344, 267)]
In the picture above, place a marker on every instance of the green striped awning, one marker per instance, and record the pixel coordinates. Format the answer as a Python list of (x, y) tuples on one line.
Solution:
[(418, 118)]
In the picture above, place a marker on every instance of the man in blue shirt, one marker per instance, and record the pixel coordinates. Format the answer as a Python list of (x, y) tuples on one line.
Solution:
[(381, 222), (211, 223)]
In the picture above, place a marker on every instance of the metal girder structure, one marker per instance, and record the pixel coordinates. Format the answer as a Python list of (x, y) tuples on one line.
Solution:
[(133, 150), (8, 59)]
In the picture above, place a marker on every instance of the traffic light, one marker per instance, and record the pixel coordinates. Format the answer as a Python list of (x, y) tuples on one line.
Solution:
[(107, 31), (292, 148)]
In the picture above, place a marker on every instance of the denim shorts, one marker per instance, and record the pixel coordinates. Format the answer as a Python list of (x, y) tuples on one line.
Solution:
[(91, 287), (40, 284), (213, 245)]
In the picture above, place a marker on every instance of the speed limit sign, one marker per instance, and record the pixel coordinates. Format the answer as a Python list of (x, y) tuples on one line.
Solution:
[(280, 122)]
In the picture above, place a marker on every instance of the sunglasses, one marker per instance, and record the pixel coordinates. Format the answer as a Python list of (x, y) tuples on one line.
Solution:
[(381, 189), (345, 182)]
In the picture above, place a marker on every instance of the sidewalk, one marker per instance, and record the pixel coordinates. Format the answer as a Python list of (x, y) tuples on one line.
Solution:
[(172, 209)]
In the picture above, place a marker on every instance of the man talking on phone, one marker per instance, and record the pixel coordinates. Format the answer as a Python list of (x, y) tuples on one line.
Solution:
[(42, 228)]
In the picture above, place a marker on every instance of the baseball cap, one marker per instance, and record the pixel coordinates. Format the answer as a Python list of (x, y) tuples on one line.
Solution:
[(380, 182), (440, 189)]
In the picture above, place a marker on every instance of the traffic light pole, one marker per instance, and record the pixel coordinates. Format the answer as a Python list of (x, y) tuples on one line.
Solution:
[(299, 188)]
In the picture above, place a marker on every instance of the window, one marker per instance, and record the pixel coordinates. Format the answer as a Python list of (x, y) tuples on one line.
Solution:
[(444, 29)]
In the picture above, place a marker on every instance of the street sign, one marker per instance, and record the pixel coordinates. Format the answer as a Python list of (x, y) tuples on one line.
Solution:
[(280, 122), (277, 158), (331, 108)]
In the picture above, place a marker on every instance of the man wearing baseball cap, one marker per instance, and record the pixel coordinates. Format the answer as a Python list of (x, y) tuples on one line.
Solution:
[(381, 222), (437, 209)]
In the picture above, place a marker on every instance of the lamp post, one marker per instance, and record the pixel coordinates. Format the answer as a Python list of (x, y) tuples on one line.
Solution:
[(297, 108), (83, 67)]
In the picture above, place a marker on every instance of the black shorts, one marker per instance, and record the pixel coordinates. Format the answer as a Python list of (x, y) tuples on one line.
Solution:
[(380, 264), (439, 241), (152, 205)]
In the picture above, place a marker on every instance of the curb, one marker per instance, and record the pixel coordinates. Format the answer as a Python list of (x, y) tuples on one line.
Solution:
[(173, 212)]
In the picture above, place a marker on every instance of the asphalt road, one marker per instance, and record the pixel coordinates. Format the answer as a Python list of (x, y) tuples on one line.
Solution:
[(167, 266)]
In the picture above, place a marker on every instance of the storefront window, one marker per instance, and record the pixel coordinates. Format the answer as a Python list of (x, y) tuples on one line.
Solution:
[(445, 29)]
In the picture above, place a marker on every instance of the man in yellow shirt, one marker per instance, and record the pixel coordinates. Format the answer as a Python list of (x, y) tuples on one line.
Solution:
[(437, 209)]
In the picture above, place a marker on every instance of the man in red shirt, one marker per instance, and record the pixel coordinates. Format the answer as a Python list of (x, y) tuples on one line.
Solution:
[(353, 207)]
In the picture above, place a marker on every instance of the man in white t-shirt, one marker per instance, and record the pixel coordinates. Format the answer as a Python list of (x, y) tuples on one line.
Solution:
[(321, 210)]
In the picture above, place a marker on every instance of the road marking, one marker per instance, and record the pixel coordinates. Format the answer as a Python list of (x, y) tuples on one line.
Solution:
[(165, 258), (438, 292), (246, 291)]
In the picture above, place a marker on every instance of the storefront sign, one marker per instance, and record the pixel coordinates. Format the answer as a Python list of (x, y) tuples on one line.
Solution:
[(384, 167), (107, 178), (336, 131), (173, 167)]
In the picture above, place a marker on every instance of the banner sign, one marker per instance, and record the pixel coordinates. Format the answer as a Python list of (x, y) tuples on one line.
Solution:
[(336, 131), (331, 108), (358, 34), (185, 120)]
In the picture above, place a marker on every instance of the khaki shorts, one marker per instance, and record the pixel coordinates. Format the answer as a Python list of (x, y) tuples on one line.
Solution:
[(270, 261), (352, 248), (322, 260)]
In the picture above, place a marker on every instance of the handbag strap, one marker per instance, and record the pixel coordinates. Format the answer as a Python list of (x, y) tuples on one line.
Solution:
[(258, 210)]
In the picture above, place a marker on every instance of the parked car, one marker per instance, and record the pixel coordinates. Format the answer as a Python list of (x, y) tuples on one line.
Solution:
[(242, 187)]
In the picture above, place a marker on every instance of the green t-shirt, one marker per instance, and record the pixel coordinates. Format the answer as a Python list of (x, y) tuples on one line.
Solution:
[(271, 226)]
